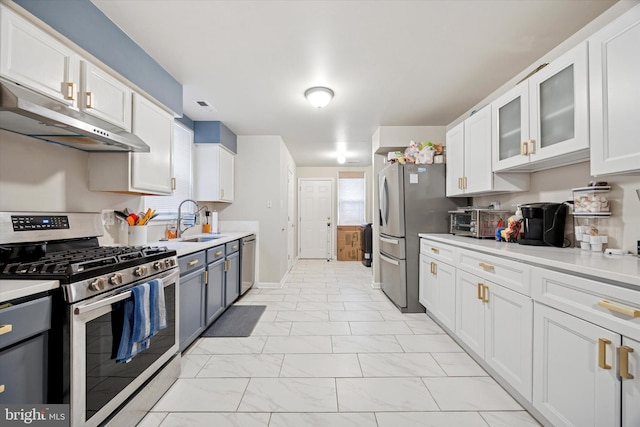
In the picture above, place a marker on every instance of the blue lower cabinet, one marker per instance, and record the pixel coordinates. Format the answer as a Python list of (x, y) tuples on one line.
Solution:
[(232, 280), (215, 290), (192, 298)]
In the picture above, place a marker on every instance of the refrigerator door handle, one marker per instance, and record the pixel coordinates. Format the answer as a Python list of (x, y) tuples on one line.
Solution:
[(389, 260), (384, 201), (391, 241)]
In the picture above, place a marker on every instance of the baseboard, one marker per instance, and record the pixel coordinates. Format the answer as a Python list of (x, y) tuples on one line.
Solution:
[(376, 285)]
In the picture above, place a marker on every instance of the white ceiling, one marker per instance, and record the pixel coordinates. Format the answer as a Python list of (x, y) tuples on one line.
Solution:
[(390, 63)]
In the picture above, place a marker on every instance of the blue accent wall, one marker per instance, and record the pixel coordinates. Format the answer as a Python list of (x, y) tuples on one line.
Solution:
[(185, 120), (215, 133), (84, 24)]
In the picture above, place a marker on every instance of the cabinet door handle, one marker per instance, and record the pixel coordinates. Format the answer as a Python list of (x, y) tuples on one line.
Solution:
[(464, 185), (624, 362), (70, 91), (206, 277), (602, 353), (435, 250), (480, 297), (485, 294), (631, 312), (531, 146), (434, 268), (523, 148), (1, 388), (5, 329), (486, 266), (459, 183), (173, 184), (192, 263), (227, 263), (89, 99)]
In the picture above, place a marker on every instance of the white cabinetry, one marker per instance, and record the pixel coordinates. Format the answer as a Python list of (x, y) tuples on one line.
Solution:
[(146, 173), (496, 323), (31, 57), (438, 289), (214, 168), (586, 334), (543, 121), (614, 95), (105, 97), (35, 59), (469, 160)]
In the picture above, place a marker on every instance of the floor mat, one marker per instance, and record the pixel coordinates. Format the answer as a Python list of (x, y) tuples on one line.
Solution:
[(237, 321)]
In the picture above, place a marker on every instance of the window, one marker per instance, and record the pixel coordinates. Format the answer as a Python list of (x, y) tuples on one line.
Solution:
[(351, 191), (167, 206)]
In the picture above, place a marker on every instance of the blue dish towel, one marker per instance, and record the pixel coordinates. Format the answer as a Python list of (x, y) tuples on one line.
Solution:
[(144, 315)]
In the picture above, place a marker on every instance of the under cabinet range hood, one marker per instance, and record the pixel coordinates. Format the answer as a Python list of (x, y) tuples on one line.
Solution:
[(29, 113)]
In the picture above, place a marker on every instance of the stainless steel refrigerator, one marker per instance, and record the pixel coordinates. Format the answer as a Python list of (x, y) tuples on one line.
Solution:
[(412, 200)]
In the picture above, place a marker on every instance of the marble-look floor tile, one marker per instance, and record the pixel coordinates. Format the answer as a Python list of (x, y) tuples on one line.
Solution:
[(470, 394), (263, 298), (202, 395), (303, 316), (305, 298), (271, 328), (366, 344), (349, 298), (509, 419), (220, 345), (424, 327), (383, 394), (431, 419), (399, 365), (428, 343), (298, 344), (280, 306), (459, 365), (320, 306), (280, 291), (356, 419), (355, 316), (397, 315), (191, 364), (268, 316), (380, 328), (152, 419), (220, 419), (242, 366), (289, 395), (373, 305), (319, 291), (320, 365), (320, 328)]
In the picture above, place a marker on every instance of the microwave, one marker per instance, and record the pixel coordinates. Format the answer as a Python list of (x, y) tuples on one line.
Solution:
[(480, 223)]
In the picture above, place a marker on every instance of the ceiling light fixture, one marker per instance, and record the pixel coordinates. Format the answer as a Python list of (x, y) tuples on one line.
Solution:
[(342, 159), (319, 96)]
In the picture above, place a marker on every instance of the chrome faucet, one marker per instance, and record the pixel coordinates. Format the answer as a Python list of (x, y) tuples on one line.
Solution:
[(195, 219)]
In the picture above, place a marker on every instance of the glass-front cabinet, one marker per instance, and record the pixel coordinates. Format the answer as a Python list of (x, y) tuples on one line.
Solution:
[(543, 121)]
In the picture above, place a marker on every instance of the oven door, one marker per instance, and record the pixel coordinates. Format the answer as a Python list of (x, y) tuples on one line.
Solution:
[(99, 384), (461, 223)]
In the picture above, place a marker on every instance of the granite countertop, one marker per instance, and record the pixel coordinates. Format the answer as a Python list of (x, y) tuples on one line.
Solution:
[(12, 289), (623, 269)]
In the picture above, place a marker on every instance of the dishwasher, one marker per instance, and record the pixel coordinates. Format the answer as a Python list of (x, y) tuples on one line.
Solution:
[(248, 263)]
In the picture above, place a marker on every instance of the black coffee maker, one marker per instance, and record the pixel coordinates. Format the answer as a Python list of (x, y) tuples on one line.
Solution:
[(543, 224)]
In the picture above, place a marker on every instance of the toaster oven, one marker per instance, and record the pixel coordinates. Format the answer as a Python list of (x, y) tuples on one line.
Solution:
[(480, 223)]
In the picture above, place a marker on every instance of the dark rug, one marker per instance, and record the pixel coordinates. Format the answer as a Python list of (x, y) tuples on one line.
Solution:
[(236, 321)]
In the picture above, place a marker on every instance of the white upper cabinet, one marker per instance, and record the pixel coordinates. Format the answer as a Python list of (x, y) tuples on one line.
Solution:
[(105, 97), (33, 58), (469, 160), (213, 176), (146, 173), (543, 121), (614, 95)]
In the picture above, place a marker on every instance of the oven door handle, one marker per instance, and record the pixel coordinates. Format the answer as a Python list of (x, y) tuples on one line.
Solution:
[(118, 297)]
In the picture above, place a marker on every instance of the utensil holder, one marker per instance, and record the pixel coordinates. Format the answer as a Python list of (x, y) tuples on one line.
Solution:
[(137, 235)]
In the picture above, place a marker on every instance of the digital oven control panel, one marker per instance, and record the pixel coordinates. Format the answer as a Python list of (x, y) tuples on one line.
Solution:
[(39, 222)]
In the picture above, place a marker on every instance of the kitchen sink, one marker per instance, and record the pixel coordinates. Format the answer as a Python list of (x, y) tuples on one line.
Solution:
[(204, 238)]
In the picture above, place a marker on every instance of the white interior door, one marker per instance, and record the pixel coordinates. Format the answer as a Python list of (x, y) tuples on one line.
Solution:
[(316, 222), (291, 224)]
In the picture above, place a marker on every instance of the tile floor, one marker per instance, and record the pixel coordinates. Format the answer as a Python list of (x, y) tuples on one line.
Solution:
[(331, 351)]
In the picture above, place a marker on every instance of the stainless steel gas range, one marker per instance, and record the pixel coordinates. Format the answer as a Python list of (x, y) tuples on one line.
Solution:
[(88, 313)]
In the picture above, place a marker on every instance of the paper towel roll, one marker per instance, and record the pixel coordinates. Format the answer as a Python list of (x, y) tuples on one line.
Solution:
[(214, 222)]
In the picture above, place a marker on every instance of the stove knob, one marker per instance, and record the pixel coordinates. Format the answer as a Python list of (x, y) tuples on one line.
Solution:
[(116, 279), (169, 262), (172, 262), (98, 284), (141, 271), (157, 265)]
